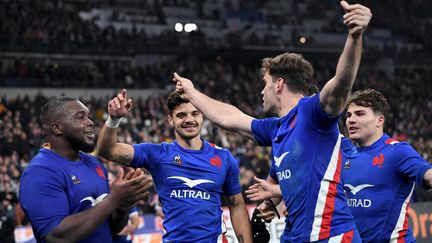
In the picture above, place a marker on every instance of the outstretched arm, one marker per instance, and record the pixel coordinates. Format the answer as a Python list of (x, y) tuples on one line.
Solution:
[(335, 93), (107, 145), (265, 190), (240, 218), (224, 115)]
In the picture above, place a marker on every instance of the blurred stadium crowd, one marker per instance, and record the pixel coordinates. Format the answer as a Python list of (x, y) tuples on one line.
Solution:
[(102, 44)]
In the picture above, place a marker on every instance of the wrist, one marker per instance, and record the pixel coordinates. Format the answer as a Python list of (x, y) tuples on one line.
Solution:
[(113, 122)]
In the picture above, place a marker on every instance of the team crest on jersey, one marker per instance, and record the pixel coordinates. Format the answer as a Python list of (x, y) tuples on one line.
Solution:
[(100, 172), (75, 180), (378, 161), (347, 164), (216, 161), (178, 160)]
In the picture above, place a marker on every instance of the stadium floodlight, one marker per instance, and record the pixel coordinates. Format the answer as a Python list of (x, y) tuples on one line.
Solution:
[(302, 40), (178, 27), (189, 27)]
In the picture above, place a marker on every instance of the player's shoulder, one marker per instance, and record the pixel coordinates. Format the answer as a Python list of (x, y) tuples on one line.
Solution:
[(217, 148), (390, 141), (267, 120), (398, 148), (44, 158), (41, 165), (153, 147), (90, 158), (394, 144), (308, 100)]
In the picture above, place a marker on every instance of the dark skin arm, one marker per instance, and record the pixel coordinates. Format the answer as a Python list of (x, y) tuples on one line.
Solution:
[(120, 218), (124, 190)]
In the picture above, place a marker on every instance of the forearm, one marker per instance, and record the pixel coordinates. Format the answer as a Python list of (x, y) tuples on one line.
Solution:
[(109, 148), (335, 93), (348, 64), (224, 115), (276, 191), (118, 220), (107, 141), (240, 222), (80, 225)]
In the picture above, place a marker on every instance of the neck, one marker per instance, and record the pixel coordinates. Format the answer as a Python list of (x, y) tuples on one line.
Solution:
[(192, 144), (370, 140), (64, 150), (288, 102)]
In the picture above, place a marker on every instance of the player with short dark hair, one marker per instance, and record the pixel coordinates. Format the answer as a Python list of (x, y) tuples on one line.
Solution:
[(190, 173), (304, 137), (65, 192), (379, 173)]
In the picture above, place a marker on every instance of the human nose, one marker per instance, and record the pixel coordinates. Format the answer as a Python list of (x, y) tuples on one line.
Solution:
[(189, 118), (90, 122), (351, 119)]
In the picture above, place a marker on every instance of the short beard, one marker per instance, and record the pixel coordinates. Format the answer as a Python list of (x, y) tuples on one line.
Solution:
[(80, 144)]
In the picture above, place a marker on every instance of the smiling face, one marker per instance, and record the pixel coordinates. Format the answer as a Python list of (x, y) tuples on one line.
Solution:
[(187, 121), (364, 125), (77, 128)]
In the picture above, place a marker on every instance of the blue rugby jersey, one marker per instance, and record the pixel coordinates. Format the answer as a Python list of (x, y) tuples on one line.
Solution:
[(379, 180), (53, 187), (190, 184), (307, 163)]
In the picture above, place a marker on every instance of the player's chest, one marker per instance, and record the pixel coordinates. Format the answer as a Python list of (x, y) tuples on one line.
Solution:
[(86, 186), (373, 168), (191, 172), (290, 148)]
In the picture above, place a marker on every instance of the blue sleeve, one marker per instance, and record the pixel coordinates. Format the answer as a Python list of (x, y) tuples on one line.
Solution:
[(313, 112), (411, 163), (231, 184), (43, 198), (145, 155), (272, 172), (264, 130)]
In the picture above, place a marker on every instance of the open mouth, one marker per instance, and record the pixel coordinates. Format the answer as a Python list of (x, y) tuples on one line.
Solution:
[(352, 130), (89, 135)]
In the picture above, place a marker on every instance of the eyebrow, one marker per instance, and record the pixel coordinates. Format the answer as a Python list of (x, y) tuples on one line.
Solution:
[(80, 112)]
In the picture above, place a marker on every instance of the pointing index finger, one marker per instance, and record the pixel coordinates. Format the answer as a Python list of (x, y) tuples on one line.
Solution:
[(124, 94)]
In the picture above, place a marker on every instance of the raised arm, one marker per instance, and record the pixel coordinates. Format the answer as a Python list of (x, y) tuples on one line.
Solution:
[(240, 218), (107, 145), (335, 93), (224, 115)]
